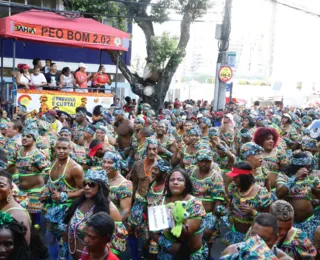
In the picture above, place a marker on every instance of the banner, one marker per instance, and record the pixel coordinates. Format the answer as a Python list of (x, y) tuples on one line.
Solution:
[(66, 35), (42, 100)]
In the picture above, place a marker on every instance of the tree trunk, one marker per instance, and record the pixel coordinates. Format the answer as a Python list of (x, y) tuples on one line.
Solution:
[(161, 88)]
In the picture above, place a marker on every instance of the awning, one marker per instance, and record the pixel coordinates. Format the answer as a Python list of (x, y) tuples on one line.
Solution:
[(52, 28)]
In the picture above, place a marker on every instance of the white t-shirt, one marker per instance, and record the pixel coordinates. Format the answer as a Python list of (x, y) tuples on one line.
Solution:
[(38, 79)]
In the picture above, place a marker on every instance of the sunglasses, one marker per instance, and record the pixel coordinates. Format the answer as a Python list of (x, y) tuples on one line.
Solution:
[(91, 184)]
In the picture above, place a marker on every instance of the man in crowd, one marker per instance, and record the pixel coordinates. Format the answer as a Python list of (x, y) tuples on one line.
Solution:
[(52, 78)]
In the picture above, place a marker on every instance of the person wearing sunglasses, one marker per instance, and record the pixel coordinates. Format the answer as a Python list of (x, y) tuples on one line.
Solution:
[(95, 199), (299, 187), (63, 186)]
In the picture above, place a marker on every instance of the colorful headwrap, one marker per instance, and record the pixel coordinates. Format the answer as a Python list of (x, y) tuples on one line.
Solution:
[(202, 145), (102, 128), (160, 164), (264, 123), (65, 130), (180, 119), (311, 112), (297, 124), (204, 155), (45, 118), (118, 112), (44, 126), (3, 165), (139, 121), (98, 124), (89, 130), (167, 112), (151, 140), (146, 106), (253, 248), (22, 109), (3, 126), (33, 132), (115, 157), (5, 218), (306, 120), (195, 130), (250, 148), (82, 113), (206, 121), (31, 123), (213, 132), (96, 175), (305, 161), (309, 144)]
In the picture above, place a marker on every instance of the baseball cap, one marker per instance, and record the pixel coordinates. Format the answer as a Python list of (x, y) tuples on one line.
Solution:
[(236, 172), (82, 65)]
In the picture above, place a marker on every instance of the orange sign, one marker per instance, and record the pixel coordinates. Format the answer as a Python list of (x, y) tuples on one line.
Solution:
[(225, 73), (64, 34)]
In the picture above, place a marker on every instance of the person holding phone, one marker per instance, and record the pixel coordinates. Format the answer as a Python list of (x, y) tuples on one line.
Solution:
[(299, 187), (100, 79)]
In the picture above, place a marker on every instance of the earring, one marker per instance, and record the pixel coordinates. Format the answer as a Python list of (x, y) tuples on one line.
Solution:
[(9, 198)]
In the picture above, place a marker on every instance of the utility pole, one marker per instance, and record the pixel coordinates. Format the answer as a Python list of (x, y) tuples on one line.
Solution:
[(219, 98)]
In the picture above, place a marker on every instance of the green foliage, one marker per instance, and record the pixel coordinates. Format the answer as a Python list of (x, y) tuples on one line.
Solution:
[(103, 8), (164, 48)]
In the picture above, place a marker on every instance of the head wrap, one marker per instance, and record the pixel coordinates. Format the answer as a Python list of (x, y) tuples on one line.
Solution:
[(45, 118), (3, 126), (151, 140), (195, 130), (96, 175), (33, 132), (306, 120), (115, 157), (22, 109), (146, 106), (163, 168), (276, 119), (253, 248), (167, 112), (282, 210), (304, 161), (213, 132), (245, 133), (31, 123), (311, 112), (3, 165), (65, 130), (306, 131), (139, 121), (309, 144), (206, 121), (44, 126), (204, 155), (89, 130), (250, 148), (180, 119), (81, 112), (102, 128), (118, 112), (151, 113)]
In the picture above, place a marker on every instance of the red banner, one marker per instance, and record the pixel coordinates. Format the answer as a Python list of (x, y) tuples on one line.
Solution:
[(66, 35)]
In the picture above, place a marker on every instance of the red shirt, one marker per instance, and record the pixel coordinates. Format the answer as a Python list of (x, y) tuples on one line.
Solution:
[(111, 256)]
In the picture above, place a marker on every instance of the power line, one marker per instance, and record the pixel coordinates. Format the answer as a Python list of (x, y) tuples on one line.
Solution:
[(149, 18), (295, 8)]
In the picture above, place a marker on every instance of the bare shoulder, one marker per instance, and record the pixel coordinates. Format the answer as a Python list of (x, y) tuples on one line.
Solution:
[(114, 212), (74, 168)]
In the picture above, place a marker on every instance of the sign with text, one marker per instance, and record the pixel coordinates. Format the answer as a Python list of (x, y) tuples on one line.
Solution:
[(66, 101), (225, 73), (66, 35), (158, 218)]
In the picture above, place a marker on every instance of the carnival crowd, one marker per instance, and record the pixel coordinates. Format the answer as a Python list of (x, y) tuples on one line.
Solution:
[(248, 177)]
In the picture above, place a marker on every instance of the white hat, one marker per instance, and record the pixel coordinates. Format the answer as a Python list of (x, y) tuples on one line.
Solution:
[(199, 115), (287, 115), (82, 65)]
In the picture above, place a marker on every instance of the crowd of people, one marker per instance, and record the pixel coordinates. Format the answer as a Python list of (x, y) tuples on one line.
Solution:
[(48, 78), (247, 177)]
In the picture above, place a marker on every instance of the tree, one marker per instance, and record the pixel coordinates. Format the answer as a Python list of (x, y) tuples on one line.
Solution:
[(164, 53)]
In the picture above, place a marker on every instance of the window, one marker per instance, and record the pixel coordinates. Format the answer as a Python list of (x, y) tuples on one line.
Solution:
[(34, 2), (49, 4), (4, 12), (16, 10)]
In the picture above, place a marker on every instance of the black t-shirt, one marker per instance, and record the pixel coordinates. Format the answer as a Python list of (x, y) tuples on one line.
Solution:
[(51, 78)]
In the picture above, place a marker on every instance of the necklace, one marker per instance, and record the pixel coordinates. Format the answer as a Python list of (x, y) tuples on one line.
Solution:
[(246, 193), (147, 173), (111, 180)]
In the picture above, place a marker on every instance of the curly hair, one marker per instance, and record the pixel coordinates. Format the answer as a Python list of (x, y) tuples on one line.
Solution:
[(262, 133), (21, 248)]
